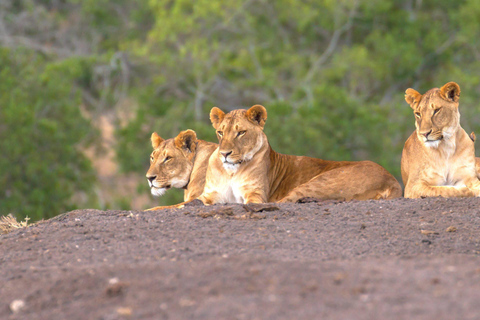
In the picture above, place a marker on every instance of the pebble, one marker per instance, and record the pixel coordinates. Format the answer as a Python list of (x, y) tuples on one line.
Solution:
[(124, 311), (17, 305), (428, 232)]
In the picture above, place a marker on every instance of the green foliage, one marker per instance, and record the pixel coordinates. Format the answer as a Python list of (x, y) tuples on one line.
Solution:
[(41, 130), (332, 75)]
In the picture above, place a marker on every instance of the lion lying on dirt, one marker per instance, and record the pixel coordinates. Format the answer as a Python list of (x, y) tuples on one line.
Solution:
[(439, 157), (180, 162), (245, 169)]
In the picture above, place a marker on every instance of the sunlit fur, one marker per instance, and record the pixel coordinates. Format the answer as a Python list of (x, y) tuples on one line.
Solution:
[(245, 169), (186, 165), (439, 157)]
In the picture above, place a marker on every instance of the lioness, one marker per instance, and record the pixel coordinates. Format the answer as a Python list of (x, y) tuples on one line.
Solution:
[(180, 162), (245, 169), (439, 157)]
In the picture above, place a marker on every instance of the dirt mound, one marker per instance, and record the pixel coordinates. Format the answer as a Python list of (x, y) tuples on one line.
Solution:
[(398, 259)]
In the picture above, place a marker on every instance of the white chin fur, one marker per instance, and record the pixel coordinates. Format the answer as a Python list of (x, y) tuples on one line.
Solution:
[(432, 144), (158, 192), (231, 167)]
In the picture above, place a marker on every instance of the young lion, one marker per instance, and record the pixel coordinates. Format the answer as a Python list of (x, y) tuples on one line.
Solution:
[(439, 157), (180, 162), (245, 169)]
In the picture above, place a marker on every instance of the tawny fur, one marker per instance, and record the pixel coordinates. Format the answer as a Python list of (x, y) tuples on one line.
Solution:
[(245, 169), (439, 157), (186, 165)]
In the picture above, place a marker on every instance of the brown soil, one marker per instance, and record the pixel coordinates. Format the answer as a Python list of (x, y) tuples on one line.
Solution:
[(315, 260)]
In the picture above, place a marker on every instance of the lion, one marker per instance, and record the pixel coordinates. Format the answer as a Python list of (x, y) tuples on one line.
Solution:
[(245, 169), (438, 159), (180, 162)]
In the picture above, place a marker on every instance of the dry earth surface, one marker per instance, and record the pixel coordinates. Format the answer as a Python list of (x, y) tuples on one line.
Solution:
[(398, 259)]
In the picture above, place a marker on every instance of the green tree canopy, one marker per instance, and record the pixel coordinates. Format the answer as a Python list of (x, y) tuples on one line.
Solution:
[(41, 132), (332, 75)]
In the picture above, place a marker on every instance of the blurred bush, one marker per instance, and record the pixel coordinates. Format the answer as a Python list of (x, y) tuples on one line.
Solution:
[(41, 130)]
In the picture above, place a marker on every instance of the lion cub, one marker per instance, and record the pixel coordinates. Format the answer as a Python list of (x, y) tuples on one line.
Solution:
[(245, 169), (439, 157), (180, 162)]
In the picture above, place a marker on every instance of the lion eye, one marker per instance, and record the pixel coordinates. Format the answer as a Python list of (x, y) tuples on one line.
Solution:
[(220, 133), (241, 133), (418, 115), (167, 158), (436, 111)]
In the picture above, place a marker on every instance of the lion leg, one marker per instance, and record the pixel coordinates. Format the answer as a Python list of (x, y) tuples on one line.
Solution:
[(209, 198), (192, 202), (424, 190), (255, 197), (474, 186), (360, 181), (175, 206)]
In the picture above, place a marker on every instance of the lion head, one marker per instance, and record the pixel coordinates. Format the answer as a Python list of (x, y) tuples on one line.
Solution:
[(171, 161), (436, 113), (240, 134)]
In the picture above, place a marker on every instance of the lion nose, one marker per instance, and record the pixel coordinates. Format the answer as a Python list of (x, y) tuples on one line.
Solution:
[(225, 154), (151, 178), (426, 134)]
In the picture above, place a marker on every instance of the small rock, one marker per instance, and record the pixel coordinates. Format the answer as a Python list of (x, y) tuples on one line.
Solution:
[(426, 241), (428, 232), (257, 216), (451, 269), (451, 229), (339, 277), (186, 302), (17, 305), (115, 288), (113, 280), (124, 311), (218, 212), (363, 226)]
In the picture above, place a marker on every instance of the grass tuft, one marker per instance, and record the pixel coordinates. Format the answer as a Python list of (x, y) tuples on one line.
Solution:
[(9, 223)]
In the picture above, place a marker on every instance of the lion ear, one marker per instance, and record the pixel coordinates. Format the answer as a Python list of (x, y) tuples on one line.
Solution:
[(186, 140), (472, 136), (450, 92), (216, 116), (156, 140), (257, 114), (412, 97)]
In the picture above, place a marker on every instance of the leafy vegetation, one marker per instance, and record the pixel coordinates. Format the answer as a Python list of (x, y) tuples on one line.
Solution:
[(331, 74), (42, 129)]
